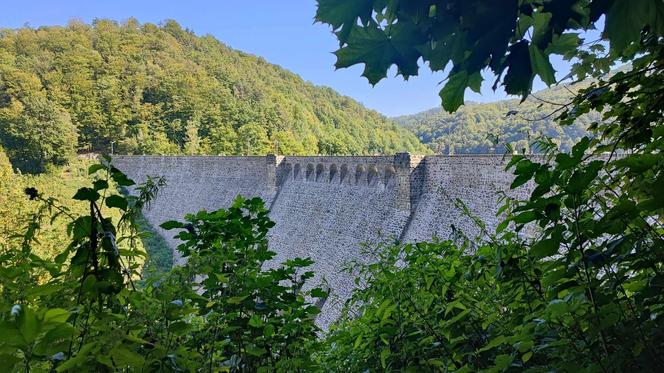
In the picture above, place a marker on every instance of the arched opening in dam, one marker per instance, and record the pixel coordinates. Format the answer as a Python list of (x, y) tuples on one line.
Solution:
[(372, 176), (333, 173), (390, 175), (360, 173), (320, 171), (296, 171), (310, 172), (344, 173)]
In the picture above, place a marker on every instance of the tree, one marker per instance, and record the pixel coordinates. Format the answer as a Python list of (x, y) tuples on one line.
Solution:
[(193, 142), (36, 132), (10, 195), (252, 139)]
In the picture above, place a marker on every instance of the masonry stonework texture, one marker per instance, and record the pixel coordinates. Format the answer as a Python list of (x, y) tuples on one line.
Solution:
[(329, 207)]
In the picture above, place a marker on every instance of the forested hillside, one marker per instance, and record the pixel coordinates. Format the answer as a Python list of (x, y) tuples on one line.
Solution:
[(485, 128), (152, 89)]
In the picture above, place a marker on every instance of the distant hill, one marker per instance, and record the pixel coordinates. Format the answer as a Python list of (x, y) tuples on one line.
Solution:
[(485, 128), (160, 89)]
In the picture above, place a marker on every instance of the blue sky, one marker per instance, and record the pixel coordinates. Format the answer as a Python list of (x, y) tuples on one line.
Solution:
[(282, 32)]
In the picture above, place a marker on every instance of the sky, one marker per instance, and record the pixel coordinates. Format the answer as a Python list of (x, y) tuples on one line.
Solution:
[(282, 32)]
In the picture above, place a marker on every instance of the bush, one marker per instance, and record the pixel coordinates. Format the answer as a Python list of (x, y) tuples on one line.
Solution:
[(83, 309)]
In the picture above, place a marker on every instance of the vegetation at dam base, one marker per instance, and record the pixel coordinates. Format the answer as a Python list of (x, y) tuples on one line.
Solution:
[(582, 291), (61, 183)]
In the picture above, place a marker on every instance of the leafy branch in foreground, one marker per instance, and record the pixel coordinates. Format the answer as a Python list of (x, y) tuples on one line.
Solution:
[(513, 39), (581, 290), (255, 319), (83, 310)]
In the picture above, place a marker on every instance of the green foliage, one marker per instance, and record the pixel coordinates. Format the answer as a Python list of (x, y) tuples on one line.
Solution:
[(37, 133), (571, 278), (490, 127), (514, 39), (9, 193), (579, 291), (160, 255), (569, 281), (150, 89), (256, 319), (83, 310)]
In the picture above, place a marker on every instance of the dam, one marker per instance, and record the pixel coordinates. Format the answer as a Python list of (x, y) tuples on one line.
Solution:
[(328, 207)]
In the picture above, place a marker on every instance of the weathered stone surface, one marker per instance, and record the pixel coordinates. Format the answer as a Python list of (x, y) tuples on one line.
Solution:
[(326, 207)]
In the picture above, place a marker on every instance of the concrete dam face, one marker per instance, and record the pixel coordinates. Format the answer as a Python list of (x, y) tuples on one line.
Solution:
[(327, 207)]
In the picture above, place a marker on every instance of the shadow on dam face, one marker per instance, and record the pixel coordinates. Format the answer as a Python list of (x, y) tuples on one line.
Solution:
[(325, 207)]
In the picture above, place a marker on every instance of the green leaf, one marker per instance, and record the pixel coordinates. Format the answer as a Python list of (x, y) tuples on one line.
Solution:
[(557, 308), (86, 194), (180, 327), (624, 22), (55, 340), (268, 331), (124, 358), (77, 360), (120, 178), (520, 180), (563, 44), (28, 324), (100, 185), (453, 92), (318, 293), (255, 321), (116, 201), (475, 82), (519, 77), (541, 65), (458, 317), (255, 351), (221, 278), (95, 167), (171, 224), (525, 170), (236, 300), (545, 248), (81, 227), (638, 163), (343, 14), (552, 278), (525, 217), (43, 289), (56, 315), (527, 356), (384, 354), (11, 335), (501, 227), (503, 361), (581, 179), (378, 50), (493, 343), (358, 341)]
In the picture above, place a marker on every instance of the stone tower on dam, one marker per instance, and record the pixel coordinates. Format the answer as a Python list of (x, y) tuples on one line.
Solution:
[(326, 207)]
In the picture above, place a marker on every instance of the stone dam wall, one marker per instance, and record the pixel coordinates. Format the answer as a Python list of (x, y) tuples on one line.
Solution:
[(327, 207)]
